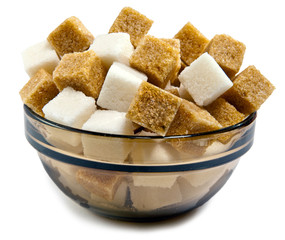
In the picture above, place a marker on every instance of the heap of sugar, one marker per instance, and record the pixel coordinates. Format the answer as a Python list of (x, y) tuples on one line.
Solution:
[(120, 87), (178, 86), (205, 80), (113, 47)]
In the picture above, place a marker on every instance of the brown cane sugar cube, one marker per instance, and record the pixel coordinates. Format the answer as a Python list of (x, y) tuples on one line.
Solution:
[(224, 112), (191, 119), (192, 43), (153, 108), (133, 23), (175, 43), (83, 71), (227, 115), (173, 90), (99, 182), (70, 36), (250, 90), (227, 52), (157, 59), (38, 91)]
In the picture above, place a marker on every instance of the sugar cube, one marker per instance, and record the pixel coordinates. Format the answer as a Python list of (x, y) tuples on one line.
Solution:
[(205, 80), (144, 152), (133, 23), (153, 108), (227, 52), (250, 90), (70, 36), (192, 43), (163, 181), (191, 119), (191, 194), (83, 71), (38, 91), (99, 182), (119, 88), (113, 47), (117, 201), (151, 198), (158, 59), (98, 147), (225, 113), (40, 55), (71, 108)]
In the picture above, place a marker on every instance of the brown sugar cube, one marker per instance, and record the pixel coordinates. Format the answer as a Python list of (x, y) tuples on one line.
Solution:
[(224, 112), (175, 43), (250, 90), (83, 71), (153, 108), (98, 182), (38, 91), (70, 36), (192, 43), (132, 22), (157, 59), (191, 119), (173, 90), (227, 52)]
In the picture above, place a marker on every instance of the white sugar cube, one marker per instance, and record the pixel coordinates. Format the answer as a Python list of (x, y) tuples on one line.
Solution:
[(163, 181), (205, 80), (40, 55), (191, 194), (151, 198), (113, 149), (71, 108), (120, 87), (151, 153), (113, 47)]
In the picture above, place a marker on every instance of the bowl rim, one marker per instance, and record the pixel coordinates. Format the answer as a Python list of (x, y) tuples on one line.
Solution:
[(247, 121), (236, 151)]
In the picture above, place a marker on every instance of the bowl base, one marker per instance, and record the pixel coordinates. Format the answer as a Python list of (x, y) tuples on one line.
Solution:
[(129, 213)]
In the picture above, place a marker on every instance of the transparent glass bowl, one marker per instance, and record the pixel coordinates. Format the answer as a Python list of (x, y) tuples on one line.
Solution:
[(138, 178)]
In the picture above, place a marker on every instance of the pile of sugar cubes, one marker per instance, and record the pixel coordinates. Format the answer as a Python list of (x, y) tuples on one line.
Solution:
[(125, 79)]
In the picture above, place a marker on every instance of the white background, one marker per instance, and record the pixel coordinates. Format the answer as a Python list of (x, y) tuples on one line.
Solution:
[(250, 206)]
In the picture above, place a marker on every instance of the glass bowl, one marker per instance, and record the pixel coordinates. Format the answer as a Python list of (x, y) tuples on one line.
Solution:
[(138, 177)]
